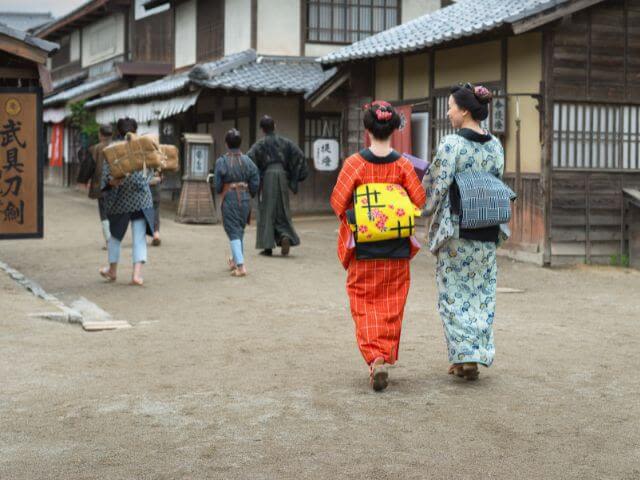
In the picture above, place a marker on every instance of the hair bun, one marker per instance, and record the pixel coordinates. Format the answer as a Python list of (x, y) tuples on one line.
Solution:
[(483, 94)]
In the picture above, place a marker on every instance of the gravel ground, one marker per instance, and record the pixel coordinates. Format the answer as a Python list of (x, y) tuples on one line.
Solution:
[(260, 378)]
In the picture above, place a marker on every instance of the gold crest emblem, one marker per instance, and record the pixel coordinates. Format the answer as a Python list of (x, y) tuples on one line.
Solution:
[(13, 107)]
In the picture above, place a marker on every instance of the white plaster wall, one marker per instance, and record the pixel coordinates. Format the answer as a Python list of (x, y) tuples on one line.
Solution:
[(319, 50), (237, 26), (74, 46), (387, 79), (186, 27), (416, 8), (103, 40), (284, 112), (279, 27)]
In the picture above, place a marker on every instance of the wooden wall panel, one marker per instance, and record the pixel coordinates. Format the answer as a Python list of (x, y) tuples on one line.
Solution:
[(586, 215), (527, 224), (596, 53), (153, 38)]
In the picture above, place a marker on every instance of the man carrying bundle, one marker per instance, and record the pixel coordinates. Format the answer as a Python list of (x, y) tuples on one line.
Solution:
[(127, 200), (282, 166)]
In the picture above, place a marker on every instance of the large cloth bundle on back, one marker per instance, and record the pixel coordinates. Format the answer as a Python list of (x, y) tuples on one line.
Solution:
[(171, 160), (133, 154), (382, 211)]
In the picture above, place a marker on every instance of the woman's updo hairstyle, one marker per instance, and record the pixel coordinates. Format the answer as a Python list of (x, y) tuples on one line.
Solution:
[(233, 139), (474, 99), (381, 119)]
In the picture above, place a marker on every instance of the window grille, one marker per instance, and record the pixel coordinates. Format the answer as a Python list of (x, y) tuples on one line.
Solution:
[(596, 136), (347, 21)]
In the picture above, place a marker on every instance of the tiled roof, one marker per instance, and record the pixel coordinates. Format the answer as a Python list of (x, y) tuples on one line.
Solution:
[(81, 90), (269, 74), (462, 19), (48, 47), (164, 86), (175, 83), (70, 80), (25, 21)]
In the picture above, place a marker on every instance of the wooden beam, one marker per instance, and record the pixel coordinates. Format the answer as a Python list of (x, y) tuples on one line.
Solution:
[(329, 88), (8, 72), (22, 49), (547, 148), (254, 24), (529, 24), (79, 14)]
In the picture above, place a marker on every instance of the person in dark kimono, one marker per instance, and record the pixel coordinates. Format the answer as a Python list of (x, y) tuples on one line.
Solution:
[(154, 185), (105, 136), (282, 167), (127, 200), (237, 180)]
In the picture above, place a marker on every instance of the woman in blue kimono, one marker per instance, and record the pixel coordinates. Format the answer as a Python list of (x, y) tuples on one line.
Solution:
[(237, 180), (466, 268)]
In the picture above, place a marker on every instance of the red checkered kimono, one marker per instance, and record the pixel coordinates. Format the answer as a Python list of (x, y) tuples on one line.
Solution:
[(377, 288)]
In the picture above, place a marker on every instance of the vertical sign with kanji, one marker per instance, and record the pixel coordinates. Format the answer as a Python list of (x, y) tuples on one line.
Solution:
[(326, 154), (20, 163)]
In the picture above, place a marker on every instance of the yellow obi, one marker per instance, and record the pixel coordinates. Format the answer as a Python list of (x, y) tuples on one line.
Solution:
[(382, 211)]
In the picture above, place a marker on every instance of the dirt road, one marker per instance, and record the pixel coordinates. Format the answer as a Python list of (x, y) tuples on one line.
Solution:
[(260, 378)]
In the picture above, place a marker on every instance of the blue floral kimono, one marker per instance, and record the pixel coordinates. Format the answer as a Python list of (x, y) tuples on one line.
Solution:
[(466, 271)]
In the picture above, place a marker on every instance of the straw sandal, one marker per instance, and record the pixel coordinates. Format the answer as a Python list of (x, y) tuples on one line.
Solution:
[(468, 371), (232, 264), (379, 375), (104, 273), (137, 283), (238, 273)]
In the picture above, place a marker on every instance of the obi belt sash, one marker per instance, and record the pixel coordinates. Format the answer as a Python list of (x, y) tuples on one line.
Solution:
[(481, 200), (381, 212)]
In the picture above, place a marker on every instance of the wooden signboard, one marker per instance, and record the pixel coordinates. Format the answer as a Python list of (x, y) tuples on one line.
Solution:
[(21, 163)]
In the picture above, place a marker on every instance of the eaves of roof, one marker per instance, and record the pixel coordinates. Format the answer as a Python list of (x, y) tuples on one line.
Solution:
[(463, 19), (75, 15), (47, 48)]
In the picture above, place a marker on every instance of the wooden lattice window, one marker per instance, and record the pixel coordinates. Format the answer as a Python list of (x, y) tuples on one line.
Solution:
[(320, 126), (210, 25), (347, 21), (596, 136)]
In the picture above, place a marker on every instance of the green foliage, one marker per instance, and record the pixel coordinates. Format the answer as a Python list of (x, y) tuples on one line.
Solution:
[(85, 121), (619, 261)]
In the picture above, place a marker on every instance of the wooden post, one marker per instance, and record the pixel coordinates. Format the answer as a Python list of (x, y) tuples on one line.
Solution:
[(547, 152), (587, 227), (253, 108)]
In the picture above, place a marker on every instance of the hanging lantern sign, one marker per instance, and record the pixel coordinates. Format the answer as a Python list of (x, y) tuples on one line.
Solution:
[(326, 154)]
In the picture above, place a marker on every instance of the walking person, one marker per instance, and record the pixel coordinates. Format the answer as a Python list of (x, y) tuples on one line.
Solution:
[(466, 270), (378, 273), (127, 200), (91, 173), (282, 167), (237, 180)]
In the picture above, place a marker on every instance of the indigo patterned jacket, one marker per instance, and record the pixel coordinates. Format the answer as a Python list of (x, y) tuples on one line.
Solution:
[(131, 196), (463, 151)]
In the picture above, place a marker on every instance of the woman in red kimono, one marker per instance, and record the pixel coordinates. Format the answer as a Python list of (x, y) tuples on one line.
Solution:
[(378, 274)]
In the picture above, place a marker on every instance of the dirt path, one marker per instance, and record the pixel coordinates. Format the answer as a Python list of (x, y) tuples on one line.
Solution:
[(260, 378)]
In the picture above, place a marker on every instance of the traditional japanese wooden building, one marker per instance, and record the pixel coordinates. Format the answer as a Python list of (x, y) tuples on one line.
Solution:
[(235, 61), (566, 79), (105, 46)]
